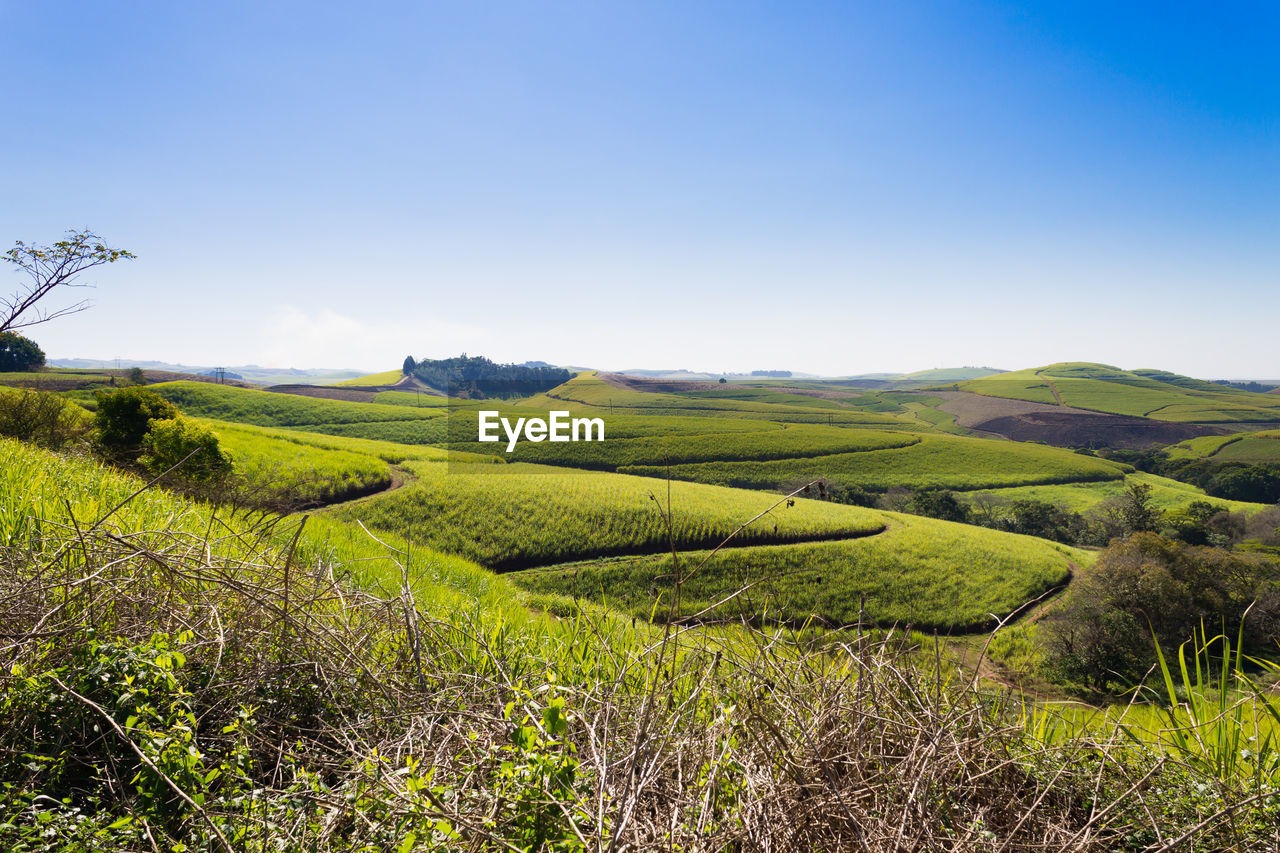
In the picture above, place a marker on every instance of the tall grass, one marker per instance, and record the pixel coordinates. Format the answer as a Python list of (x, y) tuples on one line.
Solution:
[(207, 686)]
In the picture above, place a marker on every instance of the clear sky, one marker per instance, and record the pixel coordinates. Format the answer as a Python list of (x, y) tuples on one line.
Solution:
[(825, 187)]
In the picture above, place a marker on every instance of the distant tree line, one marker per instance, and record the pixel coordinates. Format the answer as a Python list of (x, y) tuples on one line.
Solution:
[(1255, 387), (477, 376), (772, 374)]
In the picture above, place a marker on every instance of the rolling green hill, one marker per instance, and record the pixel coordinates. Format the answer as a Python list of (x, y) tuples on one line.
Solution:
[(1142, 393), (920, 571)]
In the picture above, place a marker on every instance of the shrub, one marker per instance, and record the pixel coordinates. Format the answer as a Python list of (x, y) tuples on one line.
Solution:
[(124, 417), (1149, 585), (177, 441), (42, 418)]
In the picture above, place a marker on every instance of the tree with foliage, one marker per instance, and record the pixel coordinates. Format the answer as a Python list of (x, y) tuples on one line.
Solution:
[(124, 417), (51, 267), (1147, 587), (939, 503), (409, 366), (171, 442), (476, 376), (19, 354), (1138, 508)]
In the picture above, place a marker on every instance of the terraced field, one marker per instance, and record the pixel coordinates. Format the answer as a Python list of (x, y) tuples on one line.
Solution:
[(935, 461), (922, 572), (1167, 494), (589, 392), (514, 516), (1146, 393), (793, 441), (1253, 447)]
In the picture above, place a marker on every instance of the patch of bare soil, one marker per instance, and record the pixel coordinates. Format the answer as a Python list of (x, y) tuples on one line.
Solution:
[(1063, 426), (654, 386), (1066, 429)]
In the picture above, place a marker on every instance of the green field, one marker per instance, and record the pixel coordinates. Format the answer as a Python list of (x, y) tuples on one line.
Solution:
[(587, 392), (793, 441), (387, 377), (936, 461), (514, 516), (266, 408), (1167, 494), (922, 572), (1253, 448), (1144, 393)]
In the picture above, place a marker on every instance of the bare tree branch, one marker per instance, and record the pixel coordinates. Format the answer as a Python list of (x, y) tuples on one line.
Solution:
[(50, 267)]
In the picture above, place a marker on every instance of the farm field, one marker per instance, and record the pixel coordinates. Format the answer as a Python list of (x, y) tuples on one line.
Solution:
[(588, 391), (1146, 393), (936, 461), (920, 572), (265, 408), (1254, 448), (519, 515), (793, 441), (1166, 494)]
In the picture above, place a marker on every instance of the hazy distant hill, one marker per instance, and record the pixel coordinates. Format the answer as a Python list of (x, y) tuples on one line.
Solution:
[(249, 372)]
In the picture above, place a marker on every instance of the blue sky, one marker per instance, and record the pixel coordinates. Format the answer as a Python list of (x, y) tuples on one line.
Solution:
[(825, 187)]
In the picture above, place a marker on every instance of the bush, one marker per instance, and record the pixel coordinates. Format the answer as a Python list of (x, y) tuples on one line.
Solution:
[(42, 418), (177, 441), (124, 417), (19, 354), (1147, 585)]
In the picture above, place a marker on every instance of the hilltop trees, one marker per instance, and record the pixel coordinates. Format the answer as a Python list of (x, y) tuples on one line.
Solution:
[(49, 268), (476, 376), (18, 354)]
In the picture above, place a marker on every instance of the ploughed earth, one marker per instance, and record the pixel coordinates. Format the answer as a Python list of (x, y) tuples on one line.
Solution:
[(1063, 426)]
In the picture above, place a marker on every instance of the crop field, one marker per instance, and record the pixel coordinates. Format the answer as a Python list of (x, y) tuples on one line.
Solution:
[(520, 515), (1149, 393), (1166, 494), (921, 572), (266, 408), (793, 441), (415, 399), (305, 471), (1251, 447), (1258, 447), (587, 390), (373, 380), (936, 461)]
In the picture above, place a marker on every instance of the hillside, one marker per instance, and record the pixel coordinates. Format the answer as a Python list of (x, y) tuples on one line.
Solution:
[(1154, 394)]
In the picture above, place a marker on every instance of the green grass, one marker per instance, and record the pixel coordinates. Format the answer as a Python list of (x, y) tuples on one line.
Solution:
[(587, 392), (387, 377), (1254, 448), (514, 516), (1167, 494), (45, 495), (1147, 393), (265, 408), (283, 467), (922, 572), (936, 461), (793, 441)]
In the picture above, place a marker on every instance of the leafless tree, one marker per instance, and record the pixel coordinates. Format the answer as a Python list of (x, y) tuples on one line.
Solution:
[(48, 268)]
